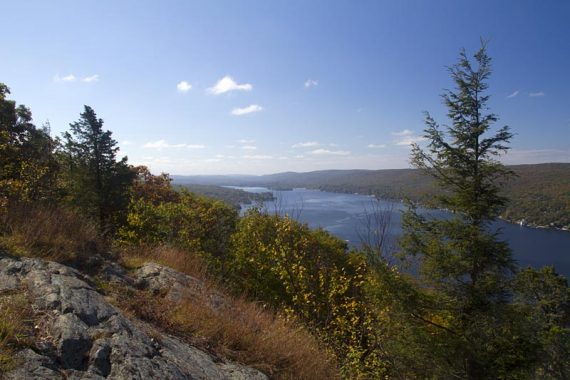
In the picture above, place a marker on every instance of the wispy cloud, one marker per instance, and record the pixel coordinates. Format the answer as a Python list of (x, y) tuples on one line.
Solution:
[(162, 144), (535, 156), (326, 152), (405, 132), (72, 78), (227, 84), (245, 110), (536, 94), (515, 93), (65, 78), (407, 137), (257, 157), (183, 86), (376, 146), (311, 83), (126, 142), (91, 78), (307, 144), (245, 141), (249, 147)]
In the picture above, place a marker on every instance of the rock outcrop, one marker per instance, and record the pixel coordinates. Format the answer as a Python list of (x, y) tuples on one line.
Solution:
[(79, 335)]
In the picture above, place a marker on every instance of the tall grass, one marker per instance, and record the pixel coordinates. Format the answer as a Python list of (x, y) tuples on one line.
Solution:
[(241, 330), (51, 233), (192, 265), (16, 327)]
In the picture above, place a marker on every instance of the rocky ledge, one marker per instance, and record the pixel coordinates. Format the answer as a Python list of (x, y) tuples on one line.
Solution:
[(79, 335)]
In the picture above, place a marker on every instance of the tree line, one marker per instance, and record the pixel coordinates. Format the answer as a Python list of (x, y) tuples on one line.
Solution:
[(459, 306)]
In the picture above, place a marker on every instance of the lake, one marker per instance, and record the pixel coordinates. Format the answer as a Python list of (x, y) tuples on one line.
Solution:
[(344, 215)]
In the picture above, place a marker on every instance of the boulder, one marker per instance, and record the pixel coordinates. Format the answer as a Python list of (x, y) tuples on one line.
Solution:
[(81, 336)]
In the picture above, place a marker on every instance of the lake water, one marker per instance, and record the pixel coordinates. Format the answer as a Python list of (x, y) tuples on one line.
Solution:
[(343, 215)]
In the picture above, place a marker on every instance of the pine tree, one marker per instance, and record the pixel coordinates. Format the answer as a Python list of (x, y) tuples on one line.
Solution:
[(97, 182), (464, 268)]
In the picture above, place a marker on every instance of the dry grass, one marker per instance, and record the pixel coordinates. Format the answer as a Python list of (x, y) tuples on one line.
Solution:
[(16, 327), (251, 335), (240, 330), (183, 262), (51, 233), (243, 332)]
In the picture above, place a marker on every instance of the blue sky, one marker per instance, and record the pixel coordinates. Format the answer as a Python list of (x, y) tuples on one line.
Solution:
[(254, 87)]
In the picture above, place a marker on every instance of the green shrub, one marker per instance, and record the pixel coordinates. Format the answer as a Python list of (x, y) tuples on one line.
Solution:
[(312, 276), (194, 224)]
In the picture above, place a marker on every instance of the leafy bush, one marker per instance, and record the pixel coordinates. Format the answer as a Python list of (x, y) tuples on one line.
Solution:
[(312, 276), (192, 223)]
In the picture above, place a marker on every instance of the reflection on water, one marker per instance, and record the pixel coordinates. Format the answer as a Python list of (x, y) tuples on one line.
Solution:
[(342, 214)]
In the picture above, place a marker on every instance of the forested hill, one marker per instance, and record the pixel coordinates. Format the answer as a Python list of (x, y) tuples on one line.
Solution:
[(234, 197), (540, 193)]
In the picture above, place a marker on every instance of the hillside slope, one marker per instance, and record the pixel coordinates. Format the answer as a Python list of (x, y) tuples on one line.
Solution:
[(73, 332)]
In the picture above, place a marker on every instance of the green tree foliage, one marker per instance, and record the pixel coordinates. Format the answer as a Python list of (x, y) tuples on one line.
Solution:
[(465, 270), (27, 167), (543, 297), (157, 215), (310, 275), (96, 182)]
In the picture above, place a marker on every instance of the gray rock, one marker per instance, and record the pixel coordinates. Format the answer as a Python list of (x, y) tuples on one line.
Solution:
[(82, 336), (176, 286)]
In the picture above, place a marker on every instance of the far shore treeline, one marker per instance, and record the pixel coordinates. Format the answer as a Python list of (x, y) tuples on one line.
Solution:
[(539, 194), (470, 313)]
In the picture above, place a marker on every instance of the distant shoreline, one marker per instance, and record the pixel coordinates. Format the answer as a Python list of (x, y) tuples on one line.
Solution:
[(530, 225)]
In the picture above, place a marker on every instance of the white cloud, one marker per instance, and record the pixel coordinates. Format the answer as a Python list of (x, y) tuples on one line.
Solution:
[(410, 140), (326, 152), (311, 83), (257, 157), (245, 110), (227, 84), (307, 144), (299, 156), (513, 94), (536, 156), (183, 86), (127, 142), (249, 147), (66, 78), (91, 79), (245, 141), (212, 160), (376, 146), (536, 94), (407, 137), (162, 144), (405, 132)]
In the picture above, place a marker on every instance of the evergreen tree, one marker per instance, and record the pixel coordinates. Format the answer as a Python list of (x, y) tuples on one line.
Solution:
[(464, 268), (96, 182)]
